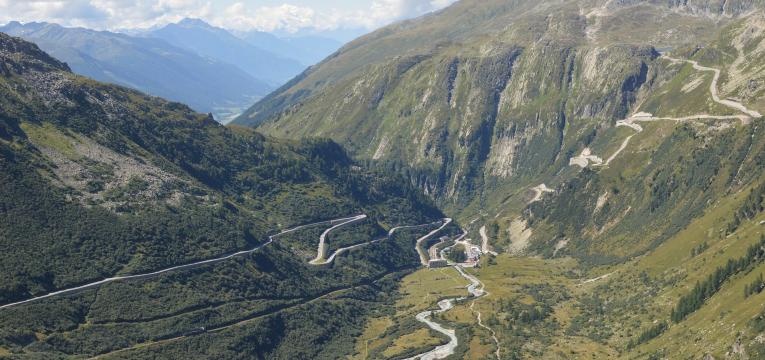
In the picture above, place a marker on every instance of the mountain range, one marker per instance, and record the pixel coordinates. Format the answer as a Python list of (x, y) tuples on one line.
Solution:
[(495, 180), (308, 49), (217, 43), (191, 62), (626, 135)]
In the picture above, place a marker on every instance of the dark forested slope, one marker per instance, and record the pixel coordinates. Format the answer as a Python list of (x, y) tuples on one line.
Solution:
[(99, 181)]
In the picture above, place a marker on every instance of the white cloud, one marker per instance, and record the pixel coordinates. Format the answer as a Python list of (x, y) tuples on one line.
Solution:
[(287, 17), (284, 17), (241, 15), (385, 11)]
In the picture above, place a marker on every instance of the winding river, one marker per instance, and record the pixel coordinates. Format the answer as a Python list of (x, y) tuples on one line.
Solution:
[(475, 290)]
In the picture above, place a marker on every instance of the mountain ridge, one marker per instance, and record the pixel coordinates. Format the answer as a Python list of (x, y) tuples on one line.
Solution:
[(101, 181), (217, 43), (151, 65)]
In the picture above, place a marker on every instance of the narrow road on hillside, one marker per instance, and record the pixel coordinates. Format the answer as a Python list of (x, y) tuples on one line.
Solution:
[(442, 254), (248, 319), (601, 277), (392, 231), (485, 241), (322, 251), (713, 88), (586, 158), (418, 245), (539, 191), (335, 223)]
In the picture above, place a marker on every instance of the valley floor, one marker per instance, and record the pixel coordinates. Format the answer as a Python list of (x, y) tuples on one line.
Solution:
[(560, 309)]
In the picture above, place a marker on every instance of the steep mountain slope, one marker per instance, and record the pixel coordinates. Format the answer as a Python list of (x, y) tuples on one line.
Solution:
[(101, 181), (485, 100), (148, 65), (620, 143), (217, 43)]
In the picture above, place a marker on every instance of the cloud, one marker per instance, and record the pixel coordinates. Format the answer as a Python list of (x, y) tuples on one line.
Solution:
[(291, 18), (73, 11), (237, 15), (385, 11), (147, 13), (284, 17)]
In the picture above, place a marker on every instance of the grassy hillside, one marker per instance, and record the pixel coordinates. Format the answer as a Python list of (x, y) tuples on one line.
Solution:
[(646, 236), (100, 181), (495, 103), (478, 115)]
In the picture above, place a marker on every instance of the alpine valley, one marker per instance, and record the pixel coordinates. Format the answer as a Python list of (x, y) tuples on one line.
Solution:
[(500, 179)]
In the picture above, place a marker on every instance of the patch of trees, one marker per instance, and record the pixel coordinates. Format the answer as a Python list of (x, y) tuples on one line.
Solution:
[(457, 254), (755, 287), (697, 250), (753, 205), (649, 334), (711, 285)]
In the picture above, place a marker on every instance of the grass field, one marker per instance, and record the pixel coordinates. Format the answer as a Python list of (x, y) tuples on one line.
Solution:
[(398, 333), (592, 313), (51, 137)]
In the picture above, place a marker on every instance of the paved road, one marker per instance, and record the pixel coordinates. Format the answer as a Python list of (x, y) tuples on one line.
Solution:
[(632, 122), (442, 253), (539, 190), (713, 88), (341, 221), (340, 251), (322, 251), (424, 254), (335, 224)]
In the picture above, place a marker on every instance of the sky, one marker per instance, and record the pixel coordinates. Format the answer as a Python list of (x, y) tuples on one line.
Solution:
[(284, 16)]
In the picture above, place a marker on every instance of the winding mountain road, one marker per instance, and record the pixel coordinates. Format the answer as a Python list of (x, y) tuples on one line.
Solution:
[(713, 87), (420, 250), (539, 191), (340, 251), (632, 122), (336, 223), (322, 251), (475, 289)]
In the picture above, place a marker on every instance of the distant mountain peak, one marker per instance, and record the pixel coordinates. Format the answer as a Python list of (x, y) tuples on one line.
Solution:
[(194, 22)]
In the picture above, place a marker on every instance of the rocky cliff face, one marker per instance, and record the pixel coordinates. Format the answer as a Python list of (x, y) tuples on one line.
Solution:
[(475, 111), (700, 8), (489, 111)]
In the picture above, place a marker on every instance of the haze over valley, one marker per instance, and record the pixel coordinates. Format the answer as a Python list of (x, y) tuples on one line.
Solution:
[(382, 179)]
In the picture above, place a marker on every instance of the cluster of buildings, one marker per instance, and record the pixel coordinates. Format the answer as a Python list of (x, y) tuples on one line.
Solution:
[(472, 252)]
